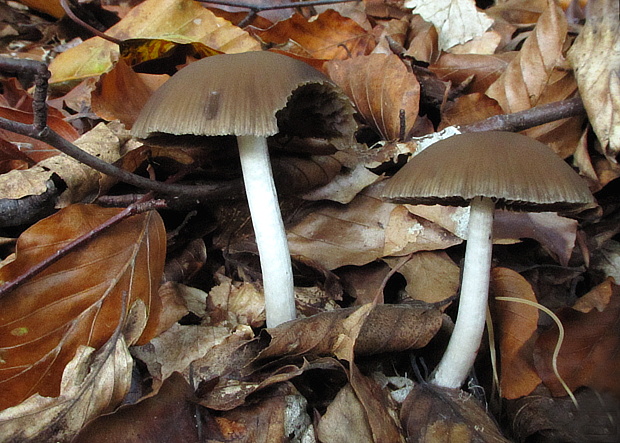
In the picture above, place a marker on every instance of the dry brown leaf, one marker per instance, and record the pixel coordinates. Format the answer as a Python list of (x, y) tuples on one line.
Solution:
[(518, 12), (516, 326), (388, 328), (434, 414), (51, 7), (457, 21), (93, 383), (80, 300), (384, 92), (468, 109), (327, 36), (457, 68), (82, 182), (167, 416), (537, 76), (423, 40), (431, 276), (376, 404), (151, 19), (595, 57), (345, 419), (120, 95), (362, 231), (175, 349), (590, 353)]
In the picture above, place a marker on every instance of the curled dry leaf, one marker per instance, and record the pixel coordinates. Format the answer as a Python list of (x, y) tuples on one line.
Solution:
[(167, 416), (431, 276), (362, 231), (457, 21), (590, 353), (327, 36), (431, 413), (93, 383), (82, 182), (150, 19), (516, 326), (384, 92), (595, 57), (80, 300), (120, 95), (538, 75), (388, 328)]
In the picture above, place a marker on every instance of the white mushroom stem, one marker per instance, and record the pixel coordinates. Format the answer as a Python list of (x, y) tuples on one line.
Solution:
[(275, 259), (459, 357)]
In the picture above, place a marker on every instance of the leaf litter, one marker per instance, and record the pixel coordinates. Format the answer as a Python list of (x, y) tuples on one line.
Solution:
[(376, 282)]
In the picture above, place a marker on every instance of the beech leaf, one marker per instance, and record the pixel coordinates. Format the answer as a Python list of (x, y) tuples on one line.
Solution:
[(80, 300), (382, 89)]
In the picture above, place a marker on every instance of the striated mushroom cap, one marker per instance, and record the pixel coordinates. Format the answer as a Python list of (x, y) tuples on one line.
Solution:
[(516, 171), (240, 94)]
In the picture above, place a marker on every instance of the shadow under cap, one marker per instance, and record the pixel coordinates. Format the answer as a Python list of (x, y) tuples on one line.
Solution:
[(239, 94), (516, 171)]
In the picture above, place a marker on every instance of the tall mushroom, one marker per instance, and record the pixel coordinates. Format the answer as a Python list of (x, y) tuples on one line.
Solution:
[(249, 95), (484, 170)]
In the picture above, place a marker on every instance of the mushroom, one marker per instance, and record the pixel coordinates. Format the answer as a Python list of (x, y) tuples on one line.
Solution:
[(483, 170), (251, 96)]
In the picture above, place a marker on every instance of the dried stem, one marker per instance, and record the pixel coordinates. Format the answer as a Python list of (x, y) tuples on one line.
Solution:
[(538, 115)]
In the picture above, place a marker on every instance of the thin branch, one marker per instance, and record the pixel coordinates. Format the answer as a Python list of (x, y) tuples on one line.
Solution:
[(536, 116), (67, 8)]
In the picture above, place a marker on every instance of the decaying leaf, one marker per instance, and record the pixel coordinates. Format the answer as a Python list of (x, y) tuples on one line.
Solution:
[(167, 416), (80, 300), (345, 419), (82, 182), (590, 353), (538, 75), (384, 92), (93, 383), (388, 328), (431, 413), (362, 231), (457, 21), (516, 331), (595, 57), (327, 36), (150, 19)]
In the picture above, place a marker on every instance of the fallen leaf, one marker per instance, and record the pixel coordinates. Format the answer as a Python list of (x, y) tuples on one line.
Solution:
[(327, 36), (170, 416), (345, 419), (384, 92), (516, 326), (431, 276), (589, 355), (430, 413), (80, 300), (362, 231), (457, 21), (595, 58), (82, 182), (388, 328), (150, 19), (120, 95), (93, 383)]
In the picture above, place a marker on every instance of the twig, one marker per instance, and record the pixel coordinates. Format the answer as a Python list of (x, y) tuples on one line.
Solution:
[(40, 131), (67, 8), (529, 118)]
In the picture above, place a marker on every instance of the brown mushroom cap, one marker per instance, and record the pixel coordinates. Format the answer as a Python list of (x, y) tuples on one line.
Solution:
[(240, 94), (516, 171)]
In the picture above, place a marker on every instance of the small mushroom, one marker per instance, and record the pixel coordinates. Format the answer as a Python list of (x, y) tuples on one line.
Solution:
[(252, 96), (484, 170)]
